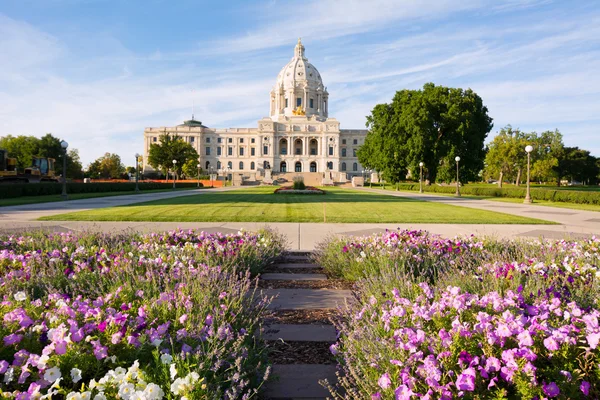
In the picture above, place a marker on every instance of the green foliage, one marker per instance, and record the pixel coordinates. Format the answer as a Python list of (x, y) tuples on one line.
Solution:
[(24, 148), (190, 168), (299, 185), (106, 167), (171, 148), (432, 125), (577, 165), (27, 189)]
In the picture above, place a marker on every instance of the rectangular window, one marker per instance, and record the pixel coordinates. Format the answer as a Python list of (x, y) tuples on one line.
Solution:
[(313, 152), (154, 139), (230, 140), (191, 139), (298, 101), (207, 140), (353, 152), (230, 151), (219, 140), (252, 140), (241, 140), (265, 150), (241, 151), (218, 151), (343, 141), (355, 141), (344, 152), (208, 151), (253, 151), (286, 103), (330, 150), (311, 103)]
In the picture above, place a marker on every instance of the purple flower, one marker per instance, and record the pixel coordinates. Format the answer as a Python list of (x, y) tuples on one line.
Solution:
[(551, 344), (376, 396), (3, 366), (384, 382), (585, 387), (403, 392), (334, 349), (466, 380), (593, 339), (11, 339), (551, 390)]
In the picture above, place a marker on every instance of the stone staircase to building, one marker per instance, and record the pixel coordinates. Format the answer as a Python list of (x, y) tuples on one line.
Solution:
[(310, 178)]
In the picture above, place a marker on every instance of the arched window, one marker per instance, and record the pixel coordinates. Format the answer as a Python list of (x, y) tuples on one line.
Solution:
[(313, 167), (313, 147), (343, 166), (230, 165), (283, 144), (241, 165), (355, 167), (283, 166), (207, 165), (298, 147), (298, 166), (252, 165), (218, 164)]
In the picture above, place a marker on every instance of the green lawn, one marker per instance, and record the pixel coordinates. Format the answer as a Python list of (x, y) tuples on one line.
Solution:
[(17, 201), (260, 204), (572, 206)]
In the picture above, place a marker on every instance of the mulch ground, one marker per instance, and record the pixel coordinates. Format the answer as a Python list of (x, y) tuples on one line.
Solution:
[(300, 352), (274, 268), (314, 317), (320, 284)]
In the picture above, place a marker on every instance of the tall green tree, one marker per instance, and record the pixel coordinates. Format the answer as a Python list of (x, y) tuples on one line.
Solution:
[(171, 147), (578, 165), (109, 166), (433, 126)]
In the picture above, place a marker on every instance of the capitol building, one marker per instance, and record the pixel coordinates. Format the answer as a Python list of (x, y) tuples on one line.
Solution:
[(298, 136)]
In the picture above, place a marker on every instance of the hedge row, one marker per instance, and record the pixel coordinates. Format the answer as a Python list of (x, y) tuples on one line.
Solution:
[(563, 196), (12, 190)]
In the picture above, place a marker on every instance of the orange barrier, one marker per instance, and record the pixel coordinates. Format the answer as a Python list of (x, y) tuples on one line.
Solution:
[(205, 182)]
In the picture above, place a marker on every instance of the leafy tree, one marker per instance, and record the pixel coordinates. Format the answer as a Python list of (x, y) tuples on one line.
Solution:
[(577, 165), (190, 168), (432, 125), (161, 155), (107, 166), (504, 155), (23, 148)]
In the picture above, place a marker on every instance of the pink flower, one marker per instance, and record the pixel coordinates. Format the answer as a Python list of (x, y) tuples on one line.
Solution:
[(551, 344), (384, 382), (551, 390), (60, 347), (183, 318), (403, 392), (466, 380), (593, 339)]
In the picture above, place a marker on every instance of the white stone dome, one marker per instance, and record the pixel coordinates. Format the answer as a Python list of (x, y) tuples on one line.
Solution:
[(299, 90), (299, 71)]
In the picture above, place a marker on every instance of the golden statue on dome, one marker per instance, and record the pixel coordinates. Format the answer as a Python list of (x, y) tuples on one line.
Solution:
[(299, 111)]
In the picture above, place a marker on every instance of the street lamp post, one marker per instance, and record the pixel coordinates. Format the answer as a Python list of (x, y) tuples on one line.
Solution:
[(64, 146), (198, 174), (528, 149), (370, 178), (174, 172), (457, 159), (211, 176), (137, 172), (421, 178)]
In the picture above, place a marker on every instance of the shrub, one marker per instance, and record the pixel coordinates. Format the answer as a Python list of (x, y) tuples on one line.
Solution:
[(299, 184)]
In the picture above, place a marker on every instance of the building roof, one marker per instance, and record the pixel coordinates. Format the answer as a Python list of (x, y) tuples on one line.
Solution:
[(193, 122), (299, 70)]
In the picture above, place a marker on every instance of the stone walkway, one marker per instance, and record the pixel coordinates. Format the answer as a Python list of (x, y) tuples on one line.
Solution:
[(301, 381)]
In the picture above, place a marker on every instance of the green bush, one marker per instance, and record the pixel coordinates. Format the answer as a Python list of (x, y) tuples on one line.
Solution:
[(299, 185), (41, 189), (562, 196)]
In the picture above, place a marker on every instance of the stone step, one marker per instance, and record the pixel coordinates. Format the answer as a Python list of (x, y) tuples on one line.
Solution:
[(298, 299), (300, 333), (299, 381), (293, 277), (296, 265)]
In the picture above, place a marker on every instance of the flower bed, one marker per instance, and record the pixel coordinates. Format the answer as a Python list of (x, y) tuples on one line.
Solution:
[(134, 316), (485, 319), (291, 190)]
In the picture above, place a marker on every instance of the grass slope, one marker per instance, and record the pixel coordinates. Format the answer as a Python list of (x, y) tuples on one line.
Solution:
[(262, 205)]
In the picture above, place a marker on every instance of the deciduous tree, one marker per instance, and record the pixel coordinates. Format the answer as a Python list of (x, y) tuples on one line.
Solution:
[(171, 147)]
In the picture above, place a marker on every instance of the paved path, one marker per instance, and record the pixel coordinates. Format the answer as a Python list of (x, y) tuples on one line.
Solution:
[(304, 236)]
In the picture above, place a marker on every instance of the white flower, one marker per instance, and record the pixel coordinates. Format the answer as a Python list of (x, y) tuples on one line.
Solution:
[(166, 358), (100, 396), (153, 392), (173, 371), (20, 296), (178, 386), (93, 384), (156, 342), (9, 375), (52, 374), (73, 396), (86, 395), (194, 377), (126, 390), (76, 375), (137, 396)]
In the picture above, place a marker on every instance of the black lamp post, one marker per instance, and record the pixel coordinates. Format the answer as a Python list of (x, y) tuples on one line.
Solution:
[(137, 172), (457, 159), (64, 146), (421, 177), (174, 172), (198, 174), (528, 149)]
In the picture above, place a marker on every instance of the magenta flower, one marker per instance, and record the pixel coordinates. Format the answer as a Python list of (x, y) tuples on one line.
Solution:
[(466, 380), (551, 344), (585, 387), (551, 390), (593, 339), (403, 392), (384, 382)]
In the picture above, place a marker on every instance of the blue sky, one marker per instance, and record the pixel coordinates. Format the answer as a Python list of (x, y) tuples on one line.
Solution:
[(97, 72)]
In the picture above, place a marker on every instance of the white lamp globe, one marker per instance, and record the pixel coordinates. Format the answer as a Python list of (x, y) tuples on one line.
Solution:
[(457, 159), (64, 144), (529, 148), (421, 164), (174, 162)]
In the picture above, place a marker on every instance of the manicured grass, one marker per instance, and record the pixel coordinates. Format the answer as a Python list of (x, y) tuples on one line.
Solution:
[(572, 206), (262, 205), (594, 188), (18, 201)]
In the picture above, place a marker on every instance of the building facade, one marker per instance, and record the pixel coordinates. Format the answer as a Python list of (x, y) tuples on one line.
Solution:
[(298, 136)]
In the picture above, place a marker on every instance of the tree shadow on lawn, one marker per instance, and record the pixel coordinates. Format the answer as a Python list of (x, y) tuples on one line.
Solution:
[(271, 198)]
